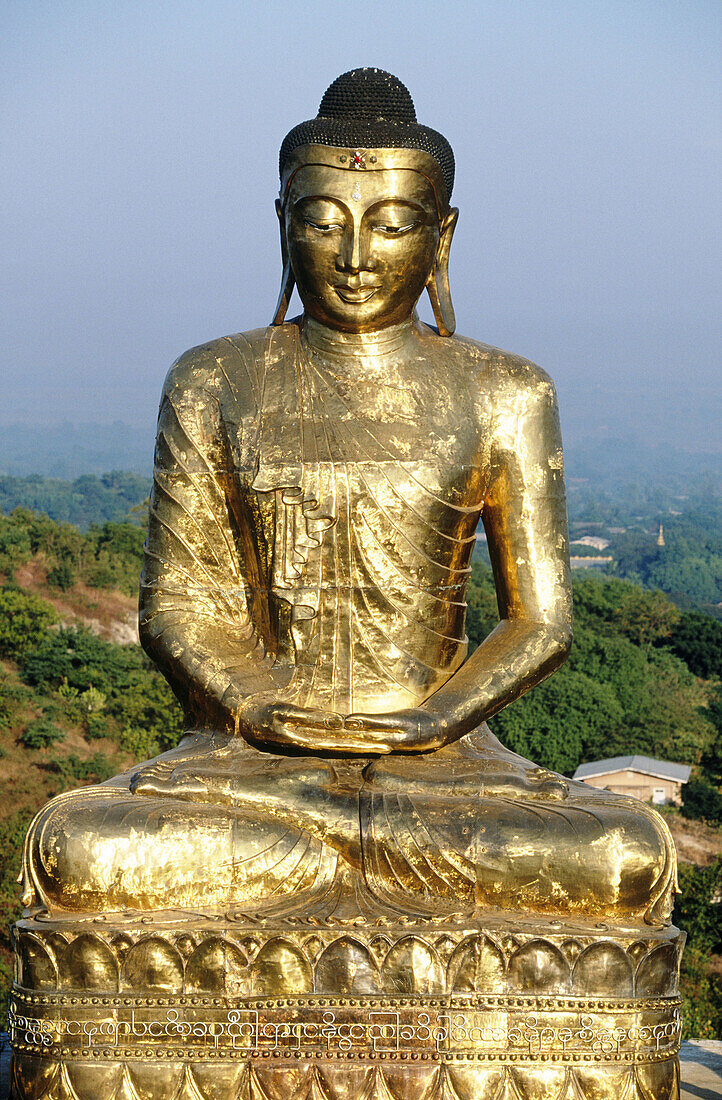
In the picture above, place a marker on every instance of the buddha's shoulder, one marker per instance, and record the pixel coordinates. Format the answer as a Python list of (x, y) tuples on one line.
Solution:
[(493, 367), (227, 362)]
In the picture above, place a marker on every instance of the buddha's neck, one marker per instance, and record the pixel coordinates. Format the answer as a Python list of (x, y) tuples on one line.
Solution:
[(367, 346)]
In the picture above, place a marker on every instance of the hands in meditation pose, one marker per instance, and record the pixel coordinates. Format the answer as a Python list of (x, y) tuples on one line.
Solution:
[(318, 488)]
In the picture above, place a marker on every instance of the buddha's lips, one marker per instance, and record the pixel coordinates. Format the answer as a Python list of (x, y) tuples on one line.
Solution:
[(357, 295)]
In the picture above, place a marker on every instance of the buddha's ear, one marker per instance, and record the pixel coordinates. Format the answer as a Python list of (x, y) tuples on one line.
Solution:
[(438, 282), (287, 279)]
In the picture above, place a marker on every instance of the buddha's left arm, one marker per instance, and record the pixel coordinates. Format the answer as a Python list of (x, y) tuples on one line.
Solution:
[(526, 525)]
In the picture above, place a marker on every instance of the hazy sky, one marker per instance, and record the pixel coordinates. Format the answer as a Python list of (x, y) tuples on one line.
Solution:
[(139, 170)]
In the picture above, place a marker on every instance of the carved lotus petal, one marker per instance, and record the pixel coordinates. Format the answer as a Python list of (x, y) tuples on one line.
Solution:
[(604, 969), (539, 967), (313, 946), (37, 966), (34, 1078), (346, 966), (217, 1080), (281, 968), (442, 1086), (657, 972), (477, 1082), (540, 1082), (154, 1080), (153, 965), (390, 1084), (379, 946), (659, 1080), (612, 1084), (638, 950), (276, 1083), (445, 946), (126, 1089), (186, 945), (572, 950), (411, 966), (88, 963), (90, 1080), (217, 966), (477, 966), (121, 945), (56, 942)]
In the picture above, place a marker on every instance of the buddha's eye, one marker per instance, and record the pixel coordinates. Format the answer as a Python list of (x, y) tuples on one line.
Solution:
[(395, 230), (322, 227)]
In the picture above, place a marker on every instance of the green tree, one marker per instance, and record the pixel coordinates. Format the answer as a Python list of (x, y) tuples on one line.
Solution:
[(24, 620), (15, 549), (702, 800), (561, 721), (41, 733), (697, 640)]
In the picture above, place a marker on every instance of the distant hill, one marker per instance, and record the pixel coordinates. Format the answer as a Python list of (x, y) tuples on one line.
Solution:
[(614, 462), (70, 450), (83, 502)]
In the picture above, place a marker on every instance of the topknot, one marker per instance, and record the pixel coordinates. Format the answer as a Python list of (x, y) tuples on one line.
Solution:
[(369, 94), (367, 109)]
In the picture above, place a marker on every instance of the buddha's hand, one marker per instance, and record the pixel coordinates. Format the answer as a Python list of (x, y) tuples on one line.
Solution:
[(414, 730), (270, 725)]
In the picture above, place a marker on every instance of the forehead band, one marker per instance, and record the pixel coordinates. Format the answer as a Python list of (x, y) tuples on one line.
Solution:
[(367, 160)]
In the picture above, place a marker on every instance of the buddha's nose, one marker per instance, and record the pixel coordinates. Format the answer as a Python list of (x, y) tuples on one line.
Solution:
[(356, 252)]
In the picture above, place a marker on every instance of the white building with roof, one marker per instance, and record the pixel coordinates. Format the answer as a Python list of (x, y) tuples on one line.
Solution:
[(643, 777)]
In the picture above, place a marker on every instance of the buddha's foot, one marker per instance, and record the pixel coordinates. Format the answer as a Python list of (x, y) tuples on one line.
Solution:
[(295, 791), (479, 767)]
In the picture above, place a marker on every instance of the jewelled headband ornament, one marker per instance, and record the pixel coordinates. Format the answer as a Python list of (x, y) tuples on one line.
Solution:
[(376, 160)]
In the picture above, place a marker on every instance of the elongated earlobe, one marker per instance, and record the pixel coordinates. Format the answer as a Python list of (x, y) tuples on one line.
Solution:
[(438, 281), (287, 284), (287, 280)]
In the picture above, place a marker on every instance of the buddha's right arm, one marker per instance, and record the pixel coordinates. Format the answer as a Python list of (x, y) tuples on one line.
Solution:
[(194, 616)]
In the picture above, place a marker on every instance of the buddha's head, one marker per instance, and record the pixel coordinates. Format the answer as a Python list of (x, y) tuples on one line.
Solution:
[(364, 208)]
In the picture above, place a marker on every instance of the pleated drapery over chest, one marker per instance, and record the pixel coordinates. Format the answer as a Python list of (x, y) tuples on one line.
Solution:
[(370, 547)]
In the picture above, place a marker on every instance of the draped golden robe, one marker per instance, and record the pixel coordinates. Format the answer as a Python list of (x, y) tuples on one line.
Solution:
[(306, 543)]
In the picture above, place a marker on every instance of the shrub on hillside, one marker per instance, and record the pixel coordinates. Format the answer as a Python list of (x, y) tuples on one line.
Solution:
[(135, 695), (140, 743), (41, 733), (95, 769), (702, 801), (698, 911), (11, 696), (24, 621), (62, 574), (76, 657), (15, 548)]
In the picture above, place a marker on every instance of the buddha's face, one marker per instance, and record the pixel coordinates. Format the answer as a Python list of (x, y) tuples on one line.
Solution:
[(361, 244)]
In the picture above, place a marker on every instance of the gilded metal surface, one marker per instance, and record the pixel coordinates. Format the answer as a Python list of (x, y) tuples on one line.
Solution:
[(318, 488), (204, 1005)]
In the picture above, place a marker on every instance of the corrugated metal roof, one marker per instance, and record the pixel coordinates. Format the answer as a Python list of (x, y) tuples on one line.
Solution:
[(647, 765)]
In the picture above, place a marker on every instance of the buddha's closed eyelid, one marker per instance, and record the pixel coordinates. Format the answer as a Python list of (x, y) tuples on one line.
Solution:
[(322, 227), (395, 230)]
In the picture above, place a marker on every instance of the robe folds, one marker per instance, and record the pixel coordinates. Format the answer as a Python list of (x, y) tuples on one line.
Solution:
[(304, 547)]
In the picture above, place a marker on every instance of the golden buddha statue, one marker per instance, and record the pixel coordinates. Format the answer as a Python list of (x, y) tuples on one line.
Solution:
[(318, 487)]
